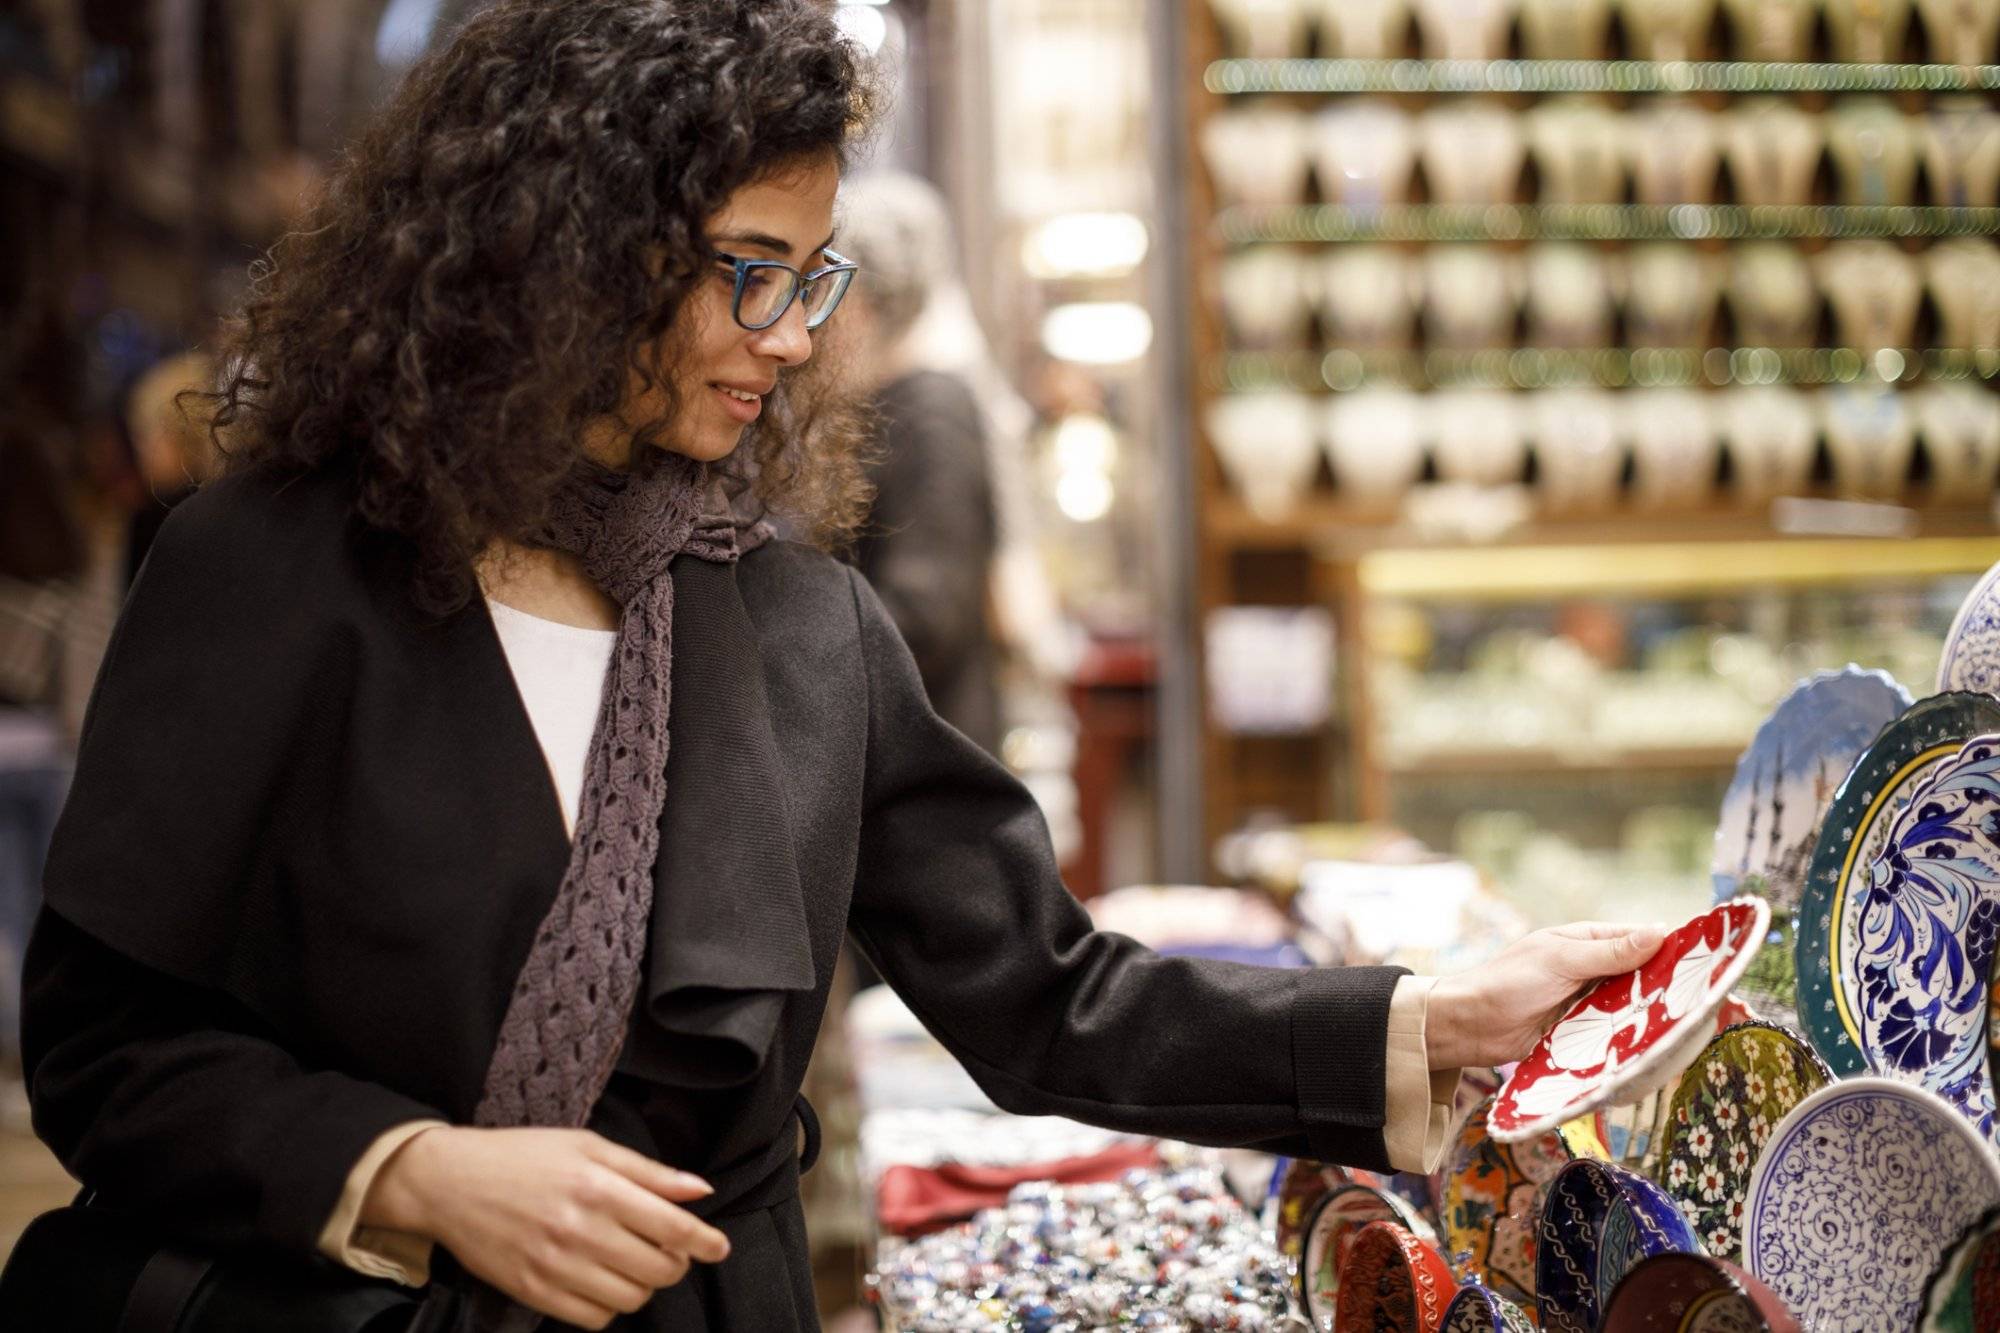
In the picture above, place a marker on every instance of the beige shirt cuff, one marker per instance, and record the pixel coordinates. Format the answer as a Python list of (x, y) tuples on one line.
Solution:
[(398, 1256), (1419, 1099)]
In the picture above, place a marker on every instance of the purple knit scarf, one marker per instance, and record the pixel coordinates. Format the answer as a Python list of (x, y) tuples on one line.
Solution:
[(567, 1017)]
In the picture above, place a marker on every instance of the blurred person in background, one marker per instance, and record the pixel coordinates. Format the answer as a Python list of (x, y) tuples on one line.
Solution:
[(932, 530), (385, 927), (170, 442)]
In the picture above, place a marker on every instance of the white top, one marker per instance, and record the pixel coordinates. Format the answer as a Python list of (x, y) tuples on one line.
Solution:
[(559, 670)]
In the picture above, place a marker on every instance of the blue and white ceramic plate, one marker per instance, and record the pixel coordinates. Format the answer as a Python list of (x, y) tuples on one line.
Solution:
[(1598, 1221), (1928, 917), (1971, 657), (1479, 1309), (1856, 1197), (1771, 814), (1855, 830)]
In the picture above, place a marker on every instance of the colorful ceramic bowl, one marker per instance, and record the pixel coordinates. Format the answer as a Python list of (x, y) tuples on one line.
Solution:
[(1856, 829), (1336, 1220), (1929, 918), (1692, 1293), (1598, 1221), (1771, 816), (1859, 1192), (1738, 1089), (1971, 658), (1483, 1310), (1964, 1294), (1300, 1185), (1491, 1201), (1633, 1033), (1392, 1280)]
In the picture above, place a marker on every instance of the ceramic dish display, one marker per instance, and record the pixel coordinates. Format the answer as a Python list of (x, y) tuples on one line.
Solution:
[(1597, 1222), (1971, 657), (1391, 1280), (1336, 1220), (1738, 1089), (1963, 1296), (1929, 917), (1298, 1188), (1875, 792), (1632, 1033), (1853, 835), (1483, 1310), (1858, 1194), (1772, 811), (1693, 1293), (1488, 1204)]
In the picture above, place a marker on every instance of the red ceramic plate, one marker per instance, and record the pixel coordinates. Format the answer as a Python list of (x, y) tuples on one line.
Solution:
[(1633, 1032)]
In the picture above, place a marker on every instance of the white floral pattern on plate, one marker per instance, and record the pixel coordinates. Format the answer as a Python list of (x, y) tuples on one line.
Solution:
[(1624, 1035)]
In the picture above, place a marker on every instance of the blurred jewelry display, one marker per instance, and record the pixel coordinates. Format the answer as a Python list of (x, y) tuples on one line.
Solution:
[(1867, 30), (1964, 276), (1874, 289), (1674, 148), (1874, 152), (1368, 295), (1961, 32), (1470, 295), (1772, 295), (1265, 298), (1256, 154), (1477, 436), (1579, 150), (1579, 448), (1263, 29), (1674, 446), (1565, 29), (1770, 434), (1771, 29), (1363, 153), (1960, 425), (1673, 291), (1375, 445), (1268, 448), (1871, 435), (1773, 149), (1465, 29), (1667, 29), (1362, 29), (1569, 295), (1472, 152), (1961, 146)]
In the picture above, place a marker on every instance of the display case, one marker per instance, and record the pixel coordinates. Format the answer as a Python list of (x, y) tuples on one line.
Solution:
[(1626, 365)]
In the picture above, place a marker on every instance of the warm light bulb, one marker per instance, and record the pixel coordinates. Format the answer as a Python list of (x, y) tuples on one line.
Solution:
[(1097, 333)]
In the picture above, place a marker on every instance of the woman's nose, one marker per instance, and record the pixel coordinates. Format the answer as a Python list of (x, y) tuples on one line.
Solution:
[(788, 341)]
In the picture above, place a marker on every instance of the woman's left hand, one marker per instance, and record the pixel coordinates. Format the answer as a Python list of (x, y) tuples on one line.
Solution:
[(1497, 1011)]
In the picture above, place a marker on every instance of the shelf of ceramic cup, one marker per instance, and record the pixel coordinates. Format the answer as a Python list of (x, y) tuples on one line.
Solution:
[(1610, 367), (1247, 224), (1231, 77)]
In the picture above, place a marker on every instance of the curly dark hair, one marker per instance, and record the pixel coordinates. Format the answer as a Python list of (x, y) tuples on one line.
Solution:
[(496, 255)]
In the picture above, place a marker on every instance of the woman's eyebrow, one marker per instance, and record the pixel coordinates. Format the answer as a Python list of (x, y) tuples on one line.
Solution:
[(766, 241)]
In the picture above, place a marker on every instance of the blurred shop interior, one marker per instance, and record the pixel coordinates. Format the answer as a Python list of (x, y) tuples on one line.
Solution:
[(1428, 436)]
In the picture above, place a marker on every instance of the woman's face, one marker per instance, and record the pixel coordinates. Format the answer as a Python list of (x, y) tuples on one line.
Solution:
[(787, 217)]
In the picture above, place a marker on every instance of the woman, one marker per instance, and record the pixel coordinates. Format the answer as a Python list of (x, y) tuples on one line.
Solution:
[(353, 949)]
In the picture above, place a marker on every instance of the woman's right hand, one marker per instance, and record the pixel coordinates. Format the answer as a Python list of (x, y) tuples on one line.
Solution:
[(562, 1220)]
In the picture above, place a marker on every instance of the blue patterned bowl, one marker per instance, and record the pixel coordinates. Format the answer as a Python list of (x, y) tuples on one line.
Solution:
[(1483, 1310), (1597, 1222)]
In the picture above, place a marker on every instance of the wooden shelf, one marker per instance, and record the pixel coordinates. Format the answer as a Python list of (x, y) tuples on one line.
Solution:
[(1327, 525), (1247, 224), (1342, 368), (1644, 759)]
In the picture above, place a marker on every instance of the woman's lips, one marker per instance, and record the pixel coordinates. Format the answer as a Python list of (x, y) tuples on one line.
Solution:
[(744, 410)]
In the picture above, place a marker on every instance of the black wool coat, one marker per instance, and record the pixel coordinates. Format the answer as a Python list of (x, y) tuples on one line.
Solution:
[(312, 833)]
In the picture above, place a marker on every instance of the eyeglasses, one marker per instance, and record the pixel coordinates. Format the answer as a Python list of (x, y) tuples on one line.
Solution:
[(766, 288)]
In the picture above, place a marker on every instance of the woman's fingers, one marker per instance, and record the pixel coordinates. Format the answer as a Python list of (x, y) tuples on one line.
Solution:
[(663, 1224), (661, 1179)]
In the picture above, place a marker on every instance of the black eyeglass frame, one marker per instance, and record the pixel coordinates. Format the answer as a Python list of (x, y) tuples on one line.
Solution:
[(841, 271)]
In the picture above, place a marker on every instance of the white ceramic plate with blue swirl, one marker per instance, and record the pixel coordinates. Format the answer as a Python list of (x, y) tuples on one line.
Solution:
[(1971, 657), (1929, 917), (1858, 1193)]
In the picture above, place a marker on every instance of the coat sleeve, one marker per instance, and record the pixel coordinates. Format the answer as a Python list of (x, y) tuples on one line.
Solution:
[(959, 903), (171, 1102), (152, 1072)]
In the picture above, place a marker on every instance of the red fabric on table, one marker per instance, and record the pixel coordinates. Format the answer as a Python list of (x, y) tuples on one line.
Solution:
[(913, 1200)]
